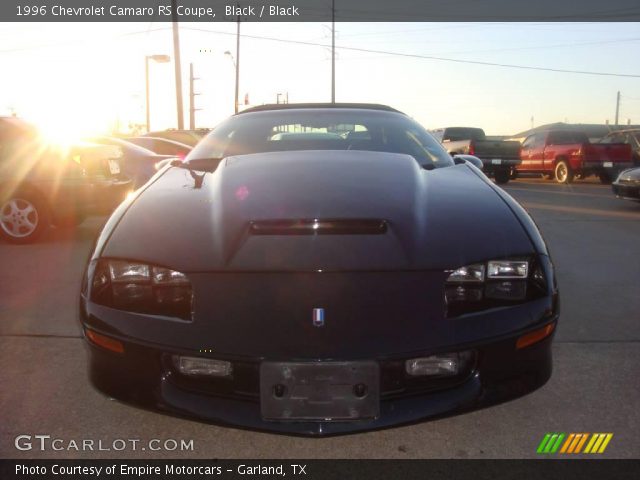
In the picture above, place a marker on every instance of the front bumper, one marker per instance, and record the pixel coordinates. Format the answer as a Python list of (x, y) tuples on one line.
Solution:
[(626, 190), (142, 375)]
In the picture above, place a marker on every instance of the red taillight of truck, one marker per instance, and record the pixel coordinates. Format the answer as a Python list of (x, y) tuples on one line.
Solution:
[(472, 148)]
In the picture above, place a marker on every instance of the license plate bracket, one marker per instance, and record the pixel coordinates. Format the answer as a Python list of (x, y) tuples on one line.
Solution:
[(319, 391)]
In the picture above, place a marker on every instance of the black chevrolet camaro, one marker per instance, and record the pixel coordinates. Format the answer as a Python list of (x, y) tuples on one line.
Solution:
[(319, 269)]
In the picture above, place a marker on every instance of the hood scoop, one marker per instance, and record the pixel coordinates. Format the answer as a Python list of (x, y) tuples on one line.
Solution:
[(318, 226)]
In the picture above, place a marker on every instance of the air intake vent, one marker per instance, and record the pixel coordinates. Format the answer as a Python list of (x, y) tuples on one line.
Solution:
[(319, 227)]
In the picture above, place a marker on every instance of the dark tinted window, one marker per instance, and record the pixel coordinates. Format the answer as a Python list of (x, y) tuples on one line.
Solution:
[(463, 133), (322, 129)]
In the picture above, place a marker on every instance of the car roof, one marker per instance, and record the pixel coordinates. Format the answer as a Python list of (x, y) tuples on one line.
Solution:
[(626, 130), (159, 139), (297, 106), (122, 142)]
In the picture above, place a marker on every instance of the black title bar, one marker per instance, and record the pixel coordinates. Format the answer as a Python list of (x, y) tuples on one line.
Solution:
[(319, 10)]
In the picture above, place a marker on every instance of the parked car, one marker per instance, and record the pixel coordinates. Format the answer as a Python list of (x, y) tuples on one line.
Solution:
[(138, 163), (162, 146), (563, 154), (319, 285), (629, 136), (188, 137), (42, 185), (500, 158), (627, 185)]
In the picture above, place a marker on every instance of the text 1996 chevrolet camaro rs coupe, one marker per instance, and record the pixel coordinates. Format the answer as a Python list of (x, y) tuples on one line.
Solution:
[(319, 269)]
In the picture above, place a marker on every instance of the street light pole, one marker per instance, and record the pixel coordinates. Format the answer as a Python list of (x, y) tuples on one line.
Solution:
[(333, 51), (178, 69), (237, 62)]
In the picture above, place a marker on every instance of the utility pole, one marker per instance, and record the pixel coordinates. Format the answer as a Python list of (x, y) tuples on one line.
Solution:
[(333, 51), (237, 65), (284, 96), (192, 99), (617, 106), (178, 69)]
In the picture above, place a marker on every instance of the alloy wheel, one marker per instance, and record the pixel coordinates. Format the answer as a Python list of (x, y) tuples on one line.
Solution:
[(18, 218)]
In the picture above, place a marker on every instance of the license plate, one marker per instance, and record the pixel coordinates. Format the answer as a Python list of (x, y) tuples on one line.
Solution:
[(319, 391), (496, 161), (608, 164), (114, 167)]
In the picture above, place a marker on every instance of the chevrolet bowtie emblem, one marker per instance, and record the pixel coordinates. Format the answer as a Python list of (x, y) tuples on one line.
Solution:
[(318, 317)]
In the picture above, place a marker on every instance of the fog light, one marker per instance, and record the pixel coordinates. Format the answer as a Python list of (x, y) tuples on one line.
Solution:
[(444, 365), (202, 366)]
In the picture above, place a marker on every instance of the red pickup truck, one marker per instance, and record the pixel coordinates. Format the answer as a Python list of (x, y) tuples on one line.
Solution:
[(565, 154)]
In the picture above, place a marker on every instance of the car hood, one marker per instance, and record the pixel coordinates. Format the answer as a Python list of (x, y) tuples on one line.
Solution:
[(195, 221), (631, 175)]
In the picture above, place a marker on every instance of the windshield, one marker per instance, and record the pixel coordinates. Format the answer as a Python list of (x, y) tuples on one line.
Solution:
[(322, 129)]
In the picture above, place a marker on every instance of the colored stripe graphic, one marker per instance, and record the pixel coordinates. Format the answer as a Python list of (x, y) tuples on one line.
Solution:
[(573, 443), (581, 443), (567, 442), (543, 443), (598, 442), (555, 447), (591, 442), (550, 443)]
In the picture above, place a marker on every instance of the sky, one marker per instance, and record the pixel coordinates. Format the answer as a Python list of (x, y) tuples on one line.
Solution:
[(75, 79)]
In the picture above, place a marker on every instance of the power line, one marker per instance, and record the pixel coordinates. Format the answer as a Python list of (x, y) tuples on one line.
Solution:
[(538, 47), (379, 52), (425, 57)]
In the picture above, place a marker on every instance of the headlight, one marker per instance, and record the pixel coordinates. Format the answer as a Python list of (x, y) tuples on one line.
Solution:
[(480, 286), (471, 273), (141, 288), (507, 269)]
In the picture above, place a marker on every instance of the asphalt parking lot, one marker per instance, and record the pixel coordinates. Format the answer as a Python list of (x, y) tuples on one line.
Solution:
[(595, 242)]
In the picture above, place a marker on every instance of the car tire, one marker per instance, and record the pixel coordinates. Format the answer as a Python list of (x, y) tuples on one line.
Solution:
[(563, 172), (502, 176), (24, 217)]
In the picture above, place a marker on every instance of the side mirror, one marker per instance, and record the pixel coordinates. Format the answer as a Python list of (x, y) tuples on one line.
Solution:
[(475, 161)]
